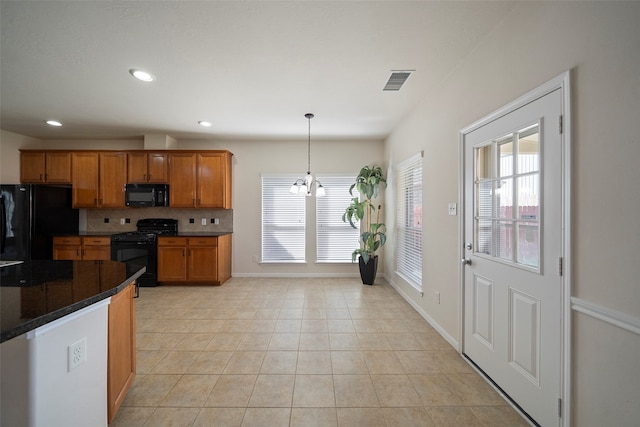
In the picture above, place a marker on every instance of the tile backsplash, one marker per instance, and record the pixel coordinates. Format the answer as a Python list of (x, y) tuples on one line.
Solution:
[(96, 219)]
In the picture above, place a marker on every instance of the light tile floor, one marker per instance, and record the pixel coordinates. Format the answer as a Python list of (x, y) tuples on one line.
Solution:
[(298, 352)]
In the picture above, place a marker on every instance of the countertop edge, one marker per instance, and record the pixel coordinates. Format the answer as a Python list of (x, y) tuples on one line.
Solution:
[(32, 324)]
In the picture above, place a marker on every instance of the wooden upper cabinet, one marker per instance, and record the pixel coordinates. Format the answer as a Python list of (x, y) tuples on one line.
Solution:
[(45, 167), (113, 177), (147, 168), (214, 180), (98, 179), (182, 180), (200, 180), (197, 179), (85, 182)]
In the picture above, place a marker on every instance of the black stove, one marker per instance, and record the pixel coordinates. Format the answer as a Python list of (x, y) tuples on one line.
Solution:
[(139, 248)]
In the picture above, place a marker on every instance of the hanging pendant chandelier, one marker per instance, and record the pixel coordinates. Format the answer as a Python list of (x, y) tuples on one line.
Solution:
[(308, 185)]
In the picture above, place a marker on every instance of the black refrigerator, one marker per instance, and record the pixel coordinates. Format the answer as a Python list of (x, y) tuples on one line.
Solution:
[(31, 215)]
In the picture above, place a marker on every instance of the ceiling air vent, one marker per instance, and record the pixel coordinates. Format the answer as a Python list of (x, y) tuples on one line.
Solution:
[(397, 79)]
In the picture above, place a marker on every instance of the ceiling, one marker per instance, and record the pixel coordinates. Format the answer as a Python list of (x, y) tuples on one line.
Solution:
[(251, 68)]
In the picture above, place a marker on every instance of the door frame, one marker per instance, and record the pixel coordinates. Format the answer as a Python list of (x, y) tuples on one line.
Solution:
[(562, 82)]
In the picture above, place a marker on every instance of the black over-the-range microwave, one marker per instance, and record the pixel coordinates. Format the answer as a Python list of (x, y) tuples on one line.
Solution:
[(146, 195)]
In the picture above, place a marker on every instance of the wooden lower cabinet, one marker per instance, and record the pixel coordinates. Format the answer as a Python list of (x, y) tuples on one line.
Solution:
[(121, 349), (194, 260), (82, 248), (172, 259)]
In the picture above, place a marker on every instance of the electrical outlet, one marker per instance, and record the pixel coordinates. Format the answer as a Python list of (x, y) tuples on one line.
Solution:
[(121, 221), (215, 221), (192, 221), (437, 297), (203, 221), (77, 354), (106, 220), (453, 209), (127, 220)]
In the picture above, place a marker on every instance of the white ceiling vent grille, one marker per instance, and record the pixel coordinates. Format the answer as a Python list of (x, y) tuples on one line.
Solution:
[(397, 79)]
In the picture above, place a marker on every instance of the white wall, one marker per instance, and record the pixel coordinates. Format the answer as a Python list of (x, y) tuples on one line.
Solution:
[(600, 43), (10, 143), (250, 159)]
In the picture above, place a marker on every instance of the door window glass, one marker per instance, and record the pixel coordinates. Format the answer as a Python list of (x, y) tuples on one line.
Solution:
[(507, 197)]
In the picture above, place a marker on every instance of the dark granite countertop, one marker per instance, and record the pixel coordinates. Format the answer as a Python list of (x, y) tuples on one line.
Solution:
[(202, 233), (180, 233), (35, 293)]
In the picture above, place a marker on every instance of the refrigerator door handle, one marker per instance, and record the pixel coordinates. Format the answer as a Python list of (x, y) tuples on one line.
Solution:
[(3, 225)]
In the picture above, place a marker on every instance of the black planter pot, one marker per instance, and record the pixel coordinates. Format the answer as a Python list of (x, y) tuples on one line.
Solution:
[(368, 270)]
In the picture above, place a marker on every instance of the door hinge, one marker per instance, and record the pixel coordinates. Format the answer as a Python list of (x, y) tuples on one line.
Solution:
[(560, 407), (560, 124), (560, 266)]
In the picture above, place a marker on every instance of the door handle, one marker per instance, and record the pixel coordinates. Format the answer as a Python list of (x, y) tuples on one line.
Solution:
[(466, 261)]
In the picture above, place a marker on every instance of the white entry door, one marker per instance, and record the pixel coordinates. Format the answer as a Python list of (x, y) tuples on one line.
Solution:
[(513, 241)]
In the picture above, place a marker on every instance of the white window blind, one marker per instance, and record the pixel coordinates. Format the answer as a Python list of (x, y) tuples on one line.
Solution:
[(335, 240), (283, 220), (409, 220)]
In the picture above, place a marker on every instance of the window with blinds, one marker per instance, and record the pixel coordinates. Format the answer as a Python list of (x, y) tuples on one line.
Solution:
[(335, 240), (283, 220), (409, 221)]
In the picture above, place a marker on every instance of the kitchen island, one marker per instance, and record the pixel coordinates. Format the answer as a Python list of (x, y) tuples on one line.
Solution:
[(67, 349)]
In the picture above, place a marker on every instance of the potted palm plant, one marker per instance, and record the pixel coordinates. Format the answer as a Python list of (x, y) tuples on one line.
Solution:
[(363, 209)]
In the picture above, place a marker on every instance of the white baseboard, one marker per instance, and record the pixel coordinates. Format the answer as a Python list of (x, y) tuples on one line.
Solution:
[(293, 275), (424, 314)]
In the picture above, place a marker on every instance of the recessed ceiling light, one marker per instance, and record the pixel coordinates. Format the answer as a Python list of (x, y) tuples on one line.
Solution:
[(53, 123), (142, 75), (204, 123)]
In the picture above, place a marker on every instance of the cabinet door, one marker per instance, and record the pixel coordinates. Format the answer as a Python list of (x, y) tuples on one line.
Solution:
[(84, 179), (172, 264), (203, 264), (113, 177), (96, 248), (96, 253), (210, 190), (58, 168), (67, 248), (121, 349), (158, 168), (182, 178), (137, 168), (67, 252), (32, 167)]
